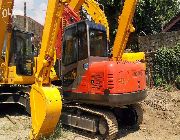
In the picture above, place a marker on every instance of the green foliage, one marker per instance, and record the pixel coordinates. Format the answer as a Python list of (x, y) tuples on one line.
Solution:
[(158, 81), (177, 79), (150, 17), (166, 65), (168, 87)]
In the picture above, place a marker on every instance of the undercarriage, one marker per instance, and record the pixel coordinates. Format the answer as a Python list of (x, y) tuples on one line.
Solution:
[(15, 94), (101, 120)]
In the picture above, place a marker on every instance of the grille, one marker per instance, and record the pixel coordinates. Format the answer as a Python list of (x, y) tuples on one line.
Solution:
[(110, 81)]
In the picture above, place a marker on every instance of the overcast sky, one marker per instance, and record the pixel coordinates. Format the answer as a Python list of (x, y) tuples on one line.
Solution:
[(36, 9)]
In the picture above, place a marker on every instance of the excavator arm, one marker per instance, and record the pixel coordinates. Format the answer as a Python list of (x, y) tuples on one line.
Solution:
[(97, 14), (124, 29), (45, 99)]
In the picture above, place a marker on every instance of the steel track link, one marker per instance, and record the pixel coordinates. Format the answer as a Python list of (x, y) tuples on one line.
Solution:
[(107, 115)]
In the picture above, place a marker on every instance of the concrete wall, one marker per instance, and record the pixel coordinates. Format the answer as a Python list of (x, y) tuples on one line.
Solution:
[(152, 42)]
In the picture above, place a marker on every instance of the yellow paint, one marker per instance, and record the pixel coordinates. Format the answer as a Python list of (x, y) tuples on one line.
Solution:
[(46, 105), (124, 29), (98, 15), (45, 99), (133, 57), (93, 9), (76, 4), (5, 6)]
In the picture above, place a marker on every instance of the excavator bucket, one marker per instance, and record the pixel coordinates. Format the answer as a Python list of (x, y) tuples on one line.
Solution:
[(46, 105)]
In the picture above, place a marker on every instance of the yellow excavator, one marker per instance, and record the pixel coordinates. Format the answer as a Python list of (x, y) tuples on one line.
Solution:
[(19, 69)]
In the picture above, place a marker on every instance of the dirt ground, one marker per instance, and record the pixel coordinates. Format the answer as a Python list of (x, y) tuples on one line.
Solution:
[(161, 121)]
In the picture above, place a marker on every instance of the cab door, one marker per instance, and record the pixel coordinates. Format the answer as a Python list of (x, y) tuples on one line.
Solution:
[(83, 61), (69, 58)]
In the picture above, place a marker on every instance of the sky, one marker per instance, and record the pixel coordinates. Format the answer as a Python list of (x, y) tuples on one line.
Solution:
[(36, 9)]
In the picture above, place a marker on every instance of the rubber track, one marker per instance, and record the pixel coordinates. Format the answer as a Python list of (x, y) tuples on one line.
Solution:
[(108, 116)]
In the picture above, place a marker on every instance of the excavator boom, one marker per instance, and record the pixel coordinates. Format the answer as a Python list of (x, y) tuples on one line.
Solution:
[(97, 14), (93, 9), (124, 29)]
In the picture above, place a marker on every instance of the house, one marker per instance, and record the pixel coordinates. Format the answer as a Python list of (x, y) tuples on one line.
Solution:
[(31, 25)]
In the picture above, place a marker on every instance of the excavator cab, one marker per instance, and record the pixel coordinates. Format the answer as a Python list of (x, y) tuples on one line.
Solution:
[(18, 58), (82, 42), (21, 53)]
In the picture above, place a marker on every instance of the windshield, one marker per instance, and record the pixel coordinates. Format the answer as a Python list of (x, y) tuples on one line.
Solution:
[(98, 43)]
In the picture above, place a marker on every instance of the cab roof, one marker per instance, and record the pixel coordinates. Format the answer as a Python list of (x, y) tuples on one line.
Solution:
[(90, 24)]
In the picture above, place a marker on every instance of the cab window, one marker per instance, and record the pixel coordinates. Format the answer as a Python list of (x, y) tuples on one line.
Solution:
[(98, 43), (83, 45), (70, 47)]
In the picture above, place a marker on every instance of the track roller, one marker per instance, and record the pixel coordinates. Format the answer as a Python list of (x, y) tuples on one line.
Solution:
[(103, 127)]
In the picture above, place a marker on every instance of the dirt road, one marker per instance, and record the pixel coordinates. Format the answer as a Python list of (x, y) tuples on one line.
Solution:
[(161, 121)]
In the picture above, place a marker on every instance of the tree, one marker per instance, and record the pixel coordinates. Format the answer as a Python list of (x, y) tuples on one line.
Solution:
[(150, 16)]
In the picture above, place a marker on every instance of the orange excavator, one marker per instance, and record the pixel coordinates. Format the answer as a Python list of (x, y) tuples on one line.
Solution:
[(97, 91), (22, 76)]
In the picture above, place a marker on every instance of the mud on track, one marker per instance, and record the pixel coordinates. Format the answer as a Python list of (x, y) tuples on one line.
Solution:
[(161, 121)]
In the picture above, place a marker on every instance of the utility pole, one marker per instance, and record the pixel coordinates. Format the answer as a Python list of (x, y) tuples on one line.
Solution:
[(25, 27)]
